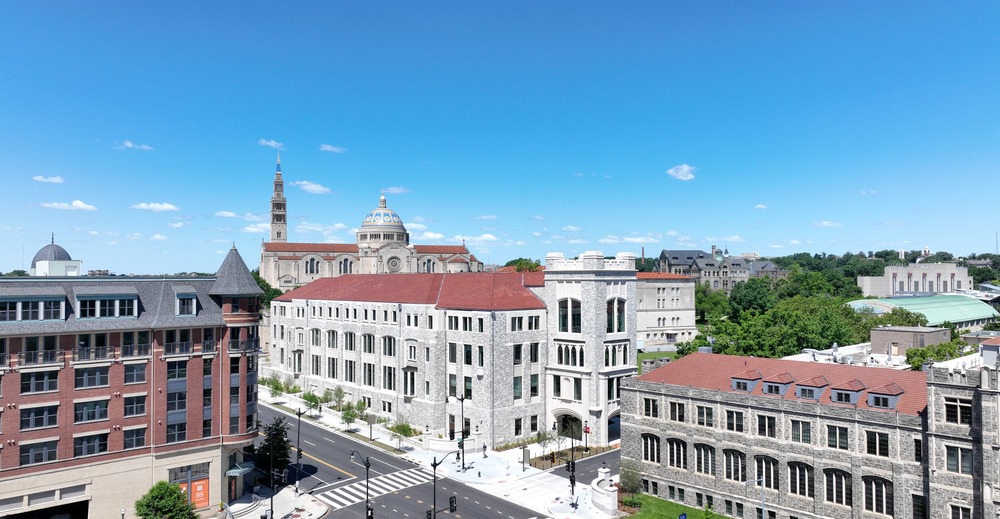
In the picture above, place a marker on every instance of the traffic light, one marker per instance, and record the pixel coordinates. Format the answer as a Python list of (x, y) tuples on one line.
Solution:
[(430, 514), (299, 455), (460, 443), (572, 479), (370, 514), (452, 504), (572, 466), (568, 469)]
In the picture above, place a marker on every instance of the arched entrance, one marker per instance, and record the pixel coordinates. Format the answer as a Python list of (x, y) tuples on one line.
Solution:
[(569, 426), (614, 427)]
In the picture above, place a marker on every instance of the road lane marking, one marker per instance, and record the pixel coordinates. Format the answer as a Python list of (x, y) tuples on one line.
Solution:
[(309, 442)]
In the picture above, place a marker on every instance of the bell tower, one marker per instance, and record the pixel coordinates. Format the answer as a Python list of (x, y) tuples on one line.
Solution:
[(279, 221)]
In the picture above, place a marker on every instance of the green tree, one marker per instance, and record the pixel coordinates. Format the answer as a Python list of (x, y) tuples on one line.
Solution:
[(276, 387), (524, 265), (269, 291), (312, 400), (338, 397), (983, 274), (752, 294), (165, 501), (361, 407), (16, 273), (327, 397), (709, 304), (629, 476), (917, 357), (275, 447), (349, 415)]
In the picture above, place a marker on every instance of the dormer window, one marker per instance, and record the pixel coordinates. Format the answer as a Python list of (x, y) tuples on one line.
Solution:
[(884, 397), (741, 385), (847, 392), (843, 397), (185, 305), (807, 393), (811, 389), (772, 389), (879, 401), (746, 381)]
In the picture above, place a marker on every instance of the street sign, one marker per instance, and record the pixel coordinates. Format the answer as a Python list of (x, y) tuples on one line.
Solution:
[(682, 516)]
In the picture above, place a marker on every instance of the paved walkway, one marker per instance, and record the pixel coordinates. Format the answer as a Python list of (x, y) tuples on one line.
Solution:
[(497, 473)]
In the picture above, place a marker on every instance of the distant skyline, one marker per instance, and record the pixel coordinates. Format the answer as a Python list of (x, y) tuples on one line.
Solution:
[(144, 135)]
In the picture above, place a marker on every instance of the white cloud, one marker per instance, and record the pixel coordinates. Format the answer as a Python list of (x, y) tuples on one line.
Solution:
[(777, 246), (219, 240), (431, 236), (93, 233), (271, 143), (487, 217), (226, 214), (794, 242), (480, 238), (113, 242), (332, 149), (178, 225), (75, 205), (49, 180), (826, 223), (156, 207), (134, 236), (129, 145), (868, 192), (418, 219), (536, 233), (311, 187), (250, 217), (682, 172), (257, 228), (610, 239), (158, 237), (640, 239), (576, 241), (537, 217), (416, 227), (760, 206), (396, 190), (572, 228), (325, 230), (733, 238), (673, 233)]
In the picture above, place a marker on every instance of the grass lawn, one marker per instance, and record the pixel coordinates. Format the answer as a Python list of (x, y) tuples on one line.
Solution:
[(656, 354), (653, 507)]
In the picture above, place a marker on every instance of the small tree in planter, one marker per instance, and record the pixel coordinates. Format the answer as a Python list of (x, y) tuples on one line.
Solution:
[(276, 388), (338, 397), (349, 415), (313, 401), (629, 479), (165, 500)]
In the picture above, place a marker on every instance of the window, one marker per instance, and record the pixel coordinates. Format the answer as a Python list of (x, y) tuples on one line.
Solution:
[(801, 431), (409, 383), (90, 411), (734, 421), (87, 308), (368, 343), (39, 381), (452, 352), (368, 373), (534, 322), (767, 472), (807, 393), (616, 315), (534, 384), (577, 388), (467, 357), (569, 315), (185, 306), (518, 429), (677, 411), (651, 448), (736, 469), (651, 407), (135, 373), (843, 397), (880, 401), (389, 346), (176, 432), (741, 385), (556, 386), (533, 352), (349, 371), (800, 479), (838, 487), (135, 438), (877, 443), (348, 341), (534, 423), (468, 387), (8, 310), (836, 437), (38, 452), (176, 369), (959, 512), (766, 426), (517, 388), (53, 310), (453, 322), (677, 453), (91, 377), (389, 378), (452, 385), (959, 460), (177, 401), (516, 324), (517, 354), (705, 459), (705, 416), (957, 410), (89, 445), (878, 495), (918, 450), (39, 417)]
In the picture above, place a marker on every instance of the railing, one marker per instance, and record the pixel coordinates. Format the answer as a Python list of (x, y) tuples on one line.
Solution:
[(93, 353), (4, 360), (244, 345), (177, 348), (40, 357), (135, 350), (208, 346)]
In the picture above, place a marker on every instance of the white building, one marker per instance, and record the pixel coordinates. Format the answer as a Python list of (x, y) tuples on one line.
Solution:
[(665, 310), (917, 278), (53, 260), (509, 353)]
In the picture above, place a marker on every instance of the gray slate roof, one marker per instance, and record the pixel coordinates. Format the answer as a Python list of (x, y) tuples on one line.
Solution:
[(234, 278)]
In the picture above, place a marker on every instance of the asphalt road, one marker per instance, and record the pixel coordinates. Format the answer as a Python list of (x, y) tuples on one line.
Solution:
[(397, 488), (586, 468)]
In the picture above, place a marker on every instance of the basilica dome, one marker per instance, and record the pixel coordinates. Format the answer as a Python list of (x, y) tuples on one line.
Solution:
[(382, 225), (50, 252)]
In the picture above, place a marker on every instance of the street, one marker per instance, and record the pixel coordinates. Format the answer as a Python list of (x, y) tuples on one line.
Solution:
[(395, 487)]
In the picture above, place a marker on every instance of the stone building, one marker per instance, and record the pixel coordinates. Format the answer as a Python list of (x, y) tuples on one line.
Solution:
[(110, 384), (382, 245), (665, 310), (510, 354), (917, 279), (717, 268), (895, 340)]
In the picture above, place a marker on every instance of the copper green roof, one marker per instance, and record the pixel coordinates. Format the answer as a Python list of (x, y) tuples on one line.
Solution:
[(937, 309)]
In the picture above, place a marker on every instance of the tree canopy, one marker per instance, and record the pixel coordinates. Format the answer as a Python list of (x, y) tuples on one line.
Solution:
[(276, 442), (165, 501), (524, 265), (269, 291)]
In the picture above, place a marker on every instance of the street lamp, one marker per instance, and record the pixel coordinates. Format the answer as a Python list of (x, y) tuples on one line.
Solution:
[(586, 437), (434, 501), (369, 513), (461, 441), (298, 449)]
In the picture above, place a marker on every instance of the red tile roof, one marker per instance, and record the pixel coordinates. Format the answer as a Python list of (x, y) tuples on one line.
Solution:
[(465, 291), (660, 275), (992, 342), (441, 249), (310, 247), (782, 378), (715, 372)]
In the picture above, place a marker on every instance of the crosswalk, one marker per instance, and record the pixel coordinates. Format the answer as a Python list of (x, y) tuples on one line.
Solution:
[(377, 486)]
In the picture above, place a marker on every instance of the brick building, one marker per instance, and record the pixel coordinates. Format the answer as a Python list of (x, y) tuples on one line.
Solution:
[(110, 384), (523, 351)]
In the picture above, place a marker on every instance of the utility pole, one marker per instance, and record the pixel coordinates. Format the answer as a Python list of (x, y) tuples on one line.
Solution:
[(298, 449)]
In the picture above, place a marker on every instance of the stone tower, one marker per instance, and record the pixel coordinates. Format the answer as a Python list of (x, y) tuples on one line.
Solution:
[(279, 221)]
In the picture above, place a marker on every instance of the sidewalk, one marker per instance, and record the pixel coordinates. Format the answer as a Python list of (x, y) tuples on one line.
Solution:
[(498, 473), (286, 505)]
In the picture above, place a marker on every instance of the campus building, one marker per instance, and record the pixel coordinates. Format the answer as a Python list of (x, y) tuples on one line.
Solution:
[(111, 384), (917, 279), (716, 269), (382, 246), (503, 355), (752, 437), (665, 313)]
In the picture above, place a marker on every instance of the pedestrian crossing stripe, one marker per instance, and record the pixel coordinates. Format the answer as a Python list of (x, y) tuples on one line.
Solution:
[(355, 492)]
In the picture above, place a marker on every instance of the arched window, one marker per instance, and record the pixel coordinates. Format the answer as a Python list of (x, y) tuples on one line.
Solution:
[(650, 448), (569, 315), (345, 266), (616, 315), (429, 266), (878, 495), (736, 465), (559, 353), (838, 487), (331, 338), (573, 356), (607, 356), (800, 479), (705, 458), (767, 472), (677, 453)]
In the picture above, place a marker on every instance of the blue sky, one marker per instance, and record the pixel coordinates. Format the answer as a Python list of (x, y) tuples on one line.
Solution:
[(144, 134)]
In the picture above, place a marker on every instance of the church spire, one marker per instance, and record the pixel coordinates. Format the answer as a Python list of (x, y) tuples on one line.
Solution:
[(279, 221)]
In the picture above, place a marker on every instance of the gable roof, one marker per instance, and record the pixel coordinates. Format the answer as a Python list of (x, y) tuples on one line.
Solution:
[(715, 372), (660, 275), (271, 246), (464, 291), (234, 278)]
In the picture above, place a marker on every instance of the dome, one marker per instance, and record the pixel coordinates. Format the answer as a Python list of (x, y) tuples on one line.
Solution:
[(51, 252), (382, 218)]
